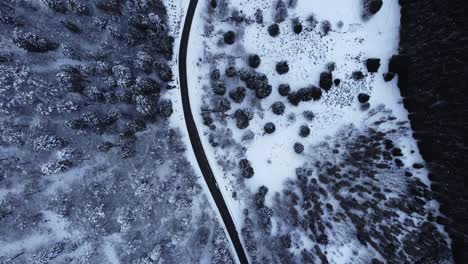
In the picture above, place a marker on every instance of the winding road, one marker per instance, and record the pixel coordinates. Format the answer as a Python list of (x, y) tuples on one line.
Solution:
[(196, 142)]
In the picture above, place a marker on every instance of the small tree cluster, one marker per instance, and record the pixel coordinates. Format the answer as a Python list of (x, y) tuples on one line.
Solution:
[(269, 128), (243, 117), (278, 108), (229, 37), (284, 89), (273, 30), (238, 94), (246, 169), (33, 43), (304, 131), (305, 95), (326, 80), (254, 61), (282, 67), (71, 78), (258, 82)]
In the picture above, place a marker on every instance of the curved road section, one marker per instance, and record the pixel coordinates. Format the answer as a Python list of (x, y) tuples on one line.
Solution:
[(196, 142)]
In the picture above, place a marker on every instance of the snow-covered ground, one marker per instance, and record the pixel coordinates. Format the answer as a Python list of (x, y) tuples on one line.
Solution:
[(350, 41)]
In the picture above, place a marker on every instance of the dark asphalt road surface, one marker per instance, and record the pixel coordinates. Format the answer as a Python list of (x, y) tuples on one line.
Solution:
[(196, 142)]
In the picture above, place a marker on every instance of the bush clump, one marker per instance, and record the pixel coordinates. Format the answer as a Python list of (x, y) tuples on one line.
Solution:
[(373, 64), (326, 27), (371, 7), (221, 105), (273, 30), (363, 98), (215, 75), (254, 61), (284, 89), (164, 71), (71, 78), (304, 131), (297, 26), (218, 87), (298, 148), (146, 86), (357, 75), (56, 5), (246, 168), (229, 37), (282, 67), (269, 128), (230, 71), (281, 12), (238, 94), (33, 43), (278, 108), (326, 80), (243, 117)]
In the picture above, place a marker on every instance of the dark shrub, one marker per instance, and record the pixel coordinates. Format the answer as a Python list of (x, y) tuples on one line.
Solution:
[(284, 89), (282, 67), (254, 61), (56, 5), (165, 108), (308, 115), (147, 86), (363, 98), (357, 75), (229, 37), (259, 16), (298, 148), (246, 168), (273, 30), (213, 3), (309, 93), (238, 94), (105, 146), (326, 27), (218, 87), (278, 108), (71, 27), (312, 21), (71, 79), (294, 98), (78, 7), (297, 26), (263, 91), (147, 105), (109, 6), (215, 75), (304, 131), (331, 66), (269, 128), (371, 7), (222, 105), (33, 43), (373, 65), (281, 12), (337, 82), (260, 196), (326, 80), (243, 116), (164, 71), (230, 71)]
